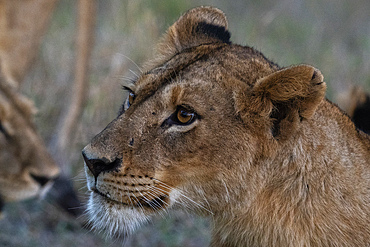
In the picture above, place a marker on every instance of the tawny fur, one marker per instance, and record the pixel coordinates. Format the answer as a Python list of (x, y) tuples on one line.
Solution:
[(25, 164), (270, 159)]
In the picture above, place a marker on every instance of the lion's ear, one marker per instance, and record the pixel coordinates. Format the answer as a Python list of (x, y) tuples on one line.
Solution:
[(288, 96), (202, 25)]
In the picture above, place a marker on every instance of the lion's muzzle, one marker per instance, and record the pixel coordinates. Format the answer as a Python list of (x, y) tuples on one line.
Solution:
[(98, 165)]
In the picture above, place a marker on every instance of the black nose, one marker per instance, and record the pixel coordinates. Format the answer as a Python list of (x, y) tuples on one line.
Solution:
[(97, 166), (42, 180)]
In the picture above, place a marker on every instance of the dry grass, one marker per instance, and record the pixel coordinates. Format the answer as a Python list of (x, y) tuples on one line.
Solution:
[(333, 36)]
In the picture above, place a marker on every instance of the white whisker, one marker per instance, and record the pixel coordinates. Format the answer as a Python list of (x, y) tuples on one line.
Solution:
[(128, 79), (156, 206), (154, 189), (133, 72), (138, 202), (141, 71), (182, 194)]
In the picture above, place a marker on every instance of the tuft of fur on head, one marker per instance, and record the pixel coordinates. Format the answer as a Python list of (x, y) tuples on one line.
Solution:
[(199, 26)]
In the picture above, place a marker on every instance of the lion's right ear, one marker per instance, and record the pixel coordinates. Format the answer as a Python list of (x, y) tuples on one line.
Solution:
[(286, 97), (202, 25)]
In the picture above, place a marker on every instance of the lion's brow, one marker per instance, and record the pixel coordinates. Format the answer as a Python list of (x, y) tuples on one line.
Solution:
[(166, 72)]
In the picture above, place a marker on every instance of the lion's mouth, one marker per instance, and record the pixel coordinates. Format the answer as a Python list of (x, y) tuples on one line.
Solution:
[(143, 202)]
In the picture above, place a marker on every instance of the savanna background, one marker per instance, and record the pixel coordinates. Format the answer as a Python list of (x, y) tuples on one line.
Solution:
[(333, 36)]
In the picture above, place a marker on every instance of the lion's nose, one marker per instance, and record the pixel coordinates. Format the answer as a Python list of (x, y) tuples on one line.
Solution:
[(41, 180), (99, 165)]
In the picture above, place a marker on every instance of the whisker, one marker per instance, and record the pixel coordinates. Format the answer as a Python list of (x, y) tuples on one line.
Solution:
[(181, 193), (133, 72), (201, 192), (184, 203), (227, 190), (127, 78), (155, 194), (79, 177), (156, 205), (141, 71), (84, 187), (164, 202), (129, 197), (138, 203)]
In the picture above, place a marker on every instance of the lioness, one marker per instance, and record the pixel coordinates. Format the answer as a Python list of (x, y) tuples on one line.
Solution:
[(26, 168), (217, 128)]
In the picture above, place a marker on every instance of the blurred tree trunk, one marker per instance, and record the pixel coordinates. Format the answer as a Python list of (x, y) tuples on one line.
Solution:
[(22, 26), (63, 192), (79, 89)]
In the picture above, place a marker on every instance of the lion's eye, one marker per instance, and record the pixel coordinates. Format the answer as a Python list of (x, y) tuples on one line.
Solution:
[(184, 116), (131, 98)]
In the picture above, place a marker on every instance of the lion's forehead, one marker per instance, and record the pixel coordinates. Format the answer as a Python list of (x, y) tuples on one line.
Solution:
[(163, 74), (209, 63)]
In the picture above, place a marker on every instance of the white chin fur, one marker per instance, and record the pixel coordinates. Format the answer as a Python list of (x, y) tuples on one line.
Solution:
[(113, 219)]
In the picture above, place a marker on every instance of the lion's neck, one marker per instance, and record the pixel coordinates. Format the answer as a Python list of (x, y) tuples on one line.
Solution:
[(296, 190)]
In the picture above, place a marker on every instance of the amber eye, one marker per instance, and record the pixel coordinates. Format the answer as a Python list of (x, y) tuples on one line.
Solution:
[(185, 116), (131, 98)]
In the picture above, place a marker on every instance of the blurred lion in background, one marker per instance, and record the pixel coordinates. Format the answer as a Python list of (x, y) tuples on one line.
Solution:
[(356, 103), (26, 166)]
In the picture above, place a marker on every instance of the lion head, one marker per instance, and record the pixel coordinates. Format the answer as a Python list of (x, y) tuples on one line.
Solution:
[(215, 128), (26, 168)]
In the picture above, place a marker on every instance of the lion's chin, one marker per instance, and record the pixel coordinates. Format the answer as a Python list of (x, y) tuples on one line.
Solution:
[(117, 220)]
